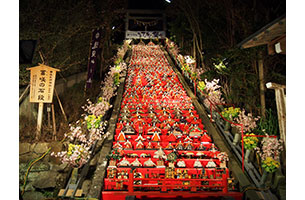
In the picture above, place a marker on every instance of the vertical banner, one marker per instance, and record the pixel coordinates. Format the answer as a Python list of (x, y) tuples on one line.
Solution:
[(94, 48)]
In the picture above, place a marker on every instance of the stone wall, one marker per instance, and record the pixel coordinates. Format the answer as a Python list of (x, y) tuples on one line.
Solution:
[(46, 176)]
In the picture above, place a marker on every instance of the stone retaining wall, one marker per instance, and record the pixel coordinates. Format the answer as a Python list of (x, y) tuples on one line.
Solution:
[(46, 176)]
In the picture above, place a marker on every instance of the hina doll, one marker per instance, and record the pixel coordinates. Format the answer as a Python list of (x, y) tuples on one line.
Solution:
[(150, 116), (213, 150), (187, 139), (119, 126), (170, 121), (158, 146), (211, 164), (182, 120), (197, 164), (136, 163), (139, 145), (163, 115), (179, 146), (205, 137), (155, 120), (177, 113), (149, 146), (128, 129), (164, 128), (124, 163), (125, 114), (140, 138), (117, 145), (153, 129), (189, 146), (197, 121), (201, 147), (121, 137), (127, 145), (125, 119), (175, 129), (149, 163), (195, 131), (169, 146), (156, 137)]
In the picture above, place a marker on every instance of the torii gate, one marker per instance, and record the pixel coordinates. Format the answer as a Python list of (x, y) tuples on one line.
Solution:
[(145, 24)]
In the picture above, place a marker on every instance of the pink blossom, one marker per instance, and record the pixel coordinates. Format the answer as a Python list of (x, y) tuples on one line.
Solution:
[(248, 121)]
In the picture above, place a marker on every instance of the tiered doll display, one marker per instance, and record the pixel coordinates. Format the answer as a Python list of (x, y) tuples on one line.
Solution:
[(159, 133)]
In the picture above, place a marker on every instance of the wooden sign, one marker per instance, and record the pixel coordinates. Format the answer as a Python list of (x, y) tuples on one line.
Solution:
[(41, 89), (42, 83)]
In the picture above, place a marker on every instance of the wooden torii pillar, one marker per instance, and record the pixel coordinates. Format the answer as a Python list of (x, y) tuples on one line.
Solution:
[(280, 98)]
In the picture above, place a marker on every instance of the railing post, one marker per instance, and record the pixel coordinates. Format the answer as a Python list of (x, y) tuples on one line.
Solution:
[(130, 182), (163, 186), (224, 183), (193, 186)]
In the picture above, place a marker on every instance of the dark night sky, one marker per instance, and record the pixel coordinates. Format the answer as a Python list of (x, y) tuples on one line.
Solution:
[(146, 4)]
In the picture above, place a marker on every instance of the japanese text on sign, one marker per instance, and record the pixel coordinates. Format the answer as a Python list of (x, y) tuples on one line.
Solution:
[(42, 83)]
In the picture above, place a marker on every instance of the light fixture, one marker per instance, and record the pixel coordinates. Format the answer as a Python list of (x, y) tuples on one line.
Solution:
[(113, 27), (168, 1)]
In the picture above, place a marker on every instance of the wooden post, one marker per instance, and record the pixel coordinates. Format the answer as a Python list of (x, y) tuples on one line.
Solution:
[(54, 122), (39, 120), (261, 84), (60, 105), (49, 117), (280, 99)]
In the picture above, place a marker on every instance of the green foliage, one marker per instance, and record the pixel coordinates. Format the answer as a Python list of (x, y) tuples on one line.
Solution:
[(250, 142), (117, 79), (114, 154), (93, 121), (118, 61), (230, 113), (201, 85), (270, 165), (269, 124), (239, 77)]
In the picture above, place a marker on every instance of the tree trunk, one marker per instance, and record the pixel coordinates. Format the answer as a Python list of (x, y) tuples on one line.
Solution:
[(262, 84), (194, 25), (194, 46)]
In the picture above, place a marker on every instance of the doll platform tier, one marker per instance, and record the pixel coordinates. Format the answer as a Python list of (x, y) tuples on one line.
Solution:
[(166, 146)]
